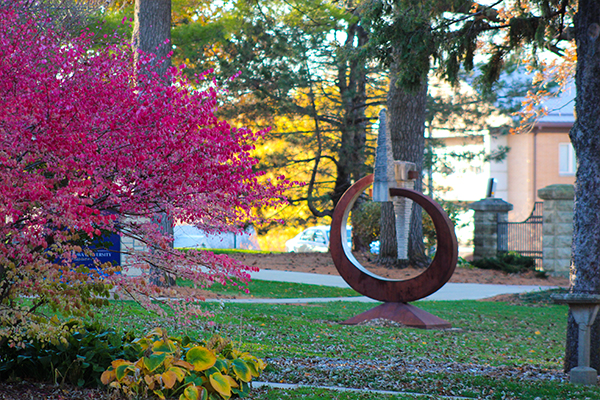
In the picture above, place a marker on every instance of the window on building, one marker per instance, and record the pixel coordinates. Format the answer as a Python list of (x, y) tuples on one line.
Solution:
[(567, 164)]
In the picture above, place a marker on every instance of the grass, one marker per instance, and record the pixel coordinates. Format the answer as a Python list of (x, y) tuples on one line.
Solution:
[(440, 387), (230, 251), (279, 290), (488, 333), (485, 356), (323, 394)]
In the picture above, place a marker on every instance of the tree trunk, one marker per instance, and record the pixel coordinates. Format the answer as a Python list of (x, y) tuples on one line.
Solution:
[(152, 35), (388, 251), (406, 127), (352, 84), (585, 272), (151, 32)]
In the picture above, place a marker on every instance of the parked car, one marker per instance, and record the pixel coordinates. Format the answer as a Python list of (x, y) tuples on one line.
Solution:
[(313, 240), (191, 236), (374, 247)]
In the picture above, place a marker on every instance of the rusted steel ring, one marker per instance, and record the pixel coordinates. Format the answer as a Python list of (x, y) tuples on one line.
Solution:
[(391, 290)]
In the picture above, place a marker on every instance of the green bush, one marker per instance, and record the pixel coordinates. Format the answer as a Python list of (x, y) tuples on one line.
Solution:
[(453, 210), (365, 222), (511, 263), (79, 357)]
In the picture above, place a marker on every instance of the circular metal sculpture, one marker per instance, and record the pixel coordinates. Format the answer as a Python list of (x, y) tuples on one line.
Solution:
[(390, 290)]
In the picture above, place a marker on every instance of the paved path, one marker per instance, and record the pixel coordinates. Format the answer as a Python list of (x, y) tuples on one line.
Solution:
[(289, 386), (450, 291)]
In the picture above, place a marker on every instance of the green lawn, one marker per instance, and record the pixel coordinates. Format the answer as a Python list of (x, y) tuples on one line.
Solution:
[(280, 290), (485, 355), (230, 251)]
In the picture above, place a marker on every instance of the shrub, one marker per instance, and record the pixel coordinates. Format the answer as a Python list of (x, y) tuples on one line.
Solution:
[(453, 210), (365, 222), (193, 369), (510, 262), (78, 358)]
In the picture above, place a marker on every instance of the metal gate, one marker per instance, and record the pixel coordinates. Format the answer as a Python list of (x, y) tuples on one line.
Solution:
[(524, 237)]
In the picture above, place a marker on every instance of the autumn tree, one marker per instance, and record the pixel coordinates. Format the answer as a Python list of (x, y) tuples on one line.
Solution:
[(87, 147), (316, 90), (151, 40), (69, 15), (319, 94)]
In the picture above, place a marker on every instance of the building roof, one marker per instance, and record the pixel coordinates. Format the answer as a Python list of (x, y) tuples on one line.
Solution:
[(561, 109)]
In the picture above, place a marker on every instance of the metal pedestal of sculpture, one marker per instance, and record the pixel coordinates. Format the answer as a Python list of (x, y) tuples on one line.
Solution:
[(395, 293)]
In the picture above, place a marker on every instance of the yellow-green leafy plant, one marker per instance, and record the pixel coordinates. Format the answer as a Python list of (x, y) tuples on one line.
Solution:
[(192, 369)]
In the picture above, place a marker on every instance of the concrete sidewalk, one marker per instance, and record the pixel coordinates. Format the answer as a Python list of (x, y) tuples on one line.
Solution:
[(450, 291)]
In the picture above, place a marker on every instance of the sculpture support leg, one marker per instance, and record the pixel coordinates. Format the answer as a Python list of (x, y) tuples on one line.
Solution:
[(405, 314)]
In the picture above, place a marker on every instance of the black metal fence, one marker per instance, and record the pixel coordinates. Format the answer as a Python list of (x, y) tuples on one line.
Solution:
[(524, 237)]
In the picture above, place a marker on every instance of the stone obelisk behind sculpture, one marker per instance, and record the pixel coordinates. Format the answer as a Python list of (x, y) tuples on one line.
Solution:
[(383, 174)]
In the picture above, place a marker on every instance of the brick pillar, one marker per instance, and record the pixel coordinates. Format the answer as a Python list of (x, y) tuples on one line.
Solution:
[(488, 212), (558, 228)]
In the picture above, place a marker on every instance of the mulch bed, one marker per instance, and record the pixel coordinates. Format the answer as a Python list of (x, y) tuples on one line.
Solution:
[(45, 391)]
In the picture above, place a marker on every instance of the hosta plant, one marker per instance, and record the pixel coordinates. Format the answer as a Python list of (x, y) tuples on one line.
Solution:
[(191, 369)]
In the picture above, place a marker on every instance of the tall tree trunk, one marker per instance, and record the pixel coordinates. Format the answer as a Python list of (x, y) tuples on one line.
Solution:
[(406, 127), (151, 31), (388, 250), (585, 273), (352, 83), (152, 35)]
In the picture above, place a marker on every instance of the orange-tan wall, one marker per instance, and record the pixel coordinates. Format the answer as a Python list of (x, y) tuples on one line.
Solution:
[(520, 174), (533, 164)]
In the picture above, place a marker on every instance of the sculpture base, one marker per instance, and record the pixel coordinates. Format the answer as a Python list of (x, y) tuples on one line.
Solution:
[(584, 376), (403, 313)]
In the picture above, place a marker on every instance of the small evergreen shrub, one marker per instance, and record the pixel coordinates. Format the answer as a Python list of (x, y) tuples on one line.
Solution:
[(511, 263), (541, 296)]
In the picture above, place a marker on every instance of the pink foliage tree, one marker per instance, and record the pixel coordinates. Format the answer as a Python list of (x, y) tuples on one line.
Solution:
[(88, 147)]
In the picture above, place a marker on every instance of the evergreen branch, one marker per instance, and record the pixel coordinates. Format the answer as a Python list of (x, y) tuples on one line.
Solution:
[(479, 13)]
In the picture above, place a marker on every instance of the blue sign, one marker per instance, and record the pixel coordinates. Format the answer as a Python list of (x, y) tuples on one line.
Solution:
[(106, 249)]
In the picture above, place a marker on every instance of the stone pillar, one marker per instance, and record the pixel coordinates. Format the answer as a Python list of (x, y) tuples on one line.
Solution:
[(402, 205), (383, 173), (558, 228), (584, 308), (488, 212)]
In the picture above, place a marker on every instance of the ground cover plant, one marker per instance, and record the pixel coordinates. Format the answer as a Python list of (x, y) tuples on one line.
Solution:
[(79, 358), (189, 368), (509, 262)]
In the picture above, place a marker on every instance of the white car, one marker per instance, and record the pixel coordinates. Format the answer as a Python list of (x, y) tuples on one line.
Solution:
[(313, 240), (374, 247)]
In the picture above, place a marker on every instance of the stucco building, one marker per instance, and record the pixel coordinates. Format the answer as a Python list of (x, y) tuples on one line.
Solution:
[(544, 156)]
